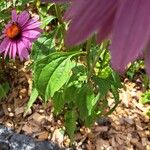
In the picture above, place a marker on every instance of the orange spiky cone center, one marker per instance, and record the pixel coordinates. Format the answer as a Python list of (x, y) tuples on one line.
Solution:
[(13, 31)]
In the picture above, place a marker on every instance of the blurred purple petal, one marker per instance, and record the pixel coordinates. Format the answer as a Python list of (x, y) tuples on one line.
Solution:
[(131, 32), (87, 21), (146, 55), (105, 29), (74, 8)]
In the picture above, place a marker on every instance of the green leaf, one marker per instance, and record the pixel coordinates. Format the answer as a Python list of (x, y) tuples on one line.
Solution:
[(4, 88), (46, 20), (52, 72), (145, 98), (115, 93), (86, 101), (58, 103), (5, 5), (44, 46), (70, 123), (91, 119), (81, 102), (103, 84), (89, 100), (115, 80), (148, 113), (70, 93), (32, 99)]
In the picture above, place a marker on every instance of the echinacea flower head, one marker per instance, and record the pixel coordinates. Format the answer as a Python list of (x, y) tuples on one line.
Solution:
[(19, 34), (125, 22)]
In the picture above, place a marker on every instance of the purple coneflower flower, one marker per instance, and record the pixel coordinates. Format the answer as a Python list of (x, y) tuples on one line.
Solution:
[(125, 22), (19, 34)]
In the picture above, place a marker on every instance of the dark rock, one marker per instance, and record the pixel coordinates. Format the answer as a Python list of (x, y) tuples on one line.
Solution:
[(105, 135), (12, 141), (2, 113), (46, 146), (4, 145), (5, 133), (21, 142), (103, 121)]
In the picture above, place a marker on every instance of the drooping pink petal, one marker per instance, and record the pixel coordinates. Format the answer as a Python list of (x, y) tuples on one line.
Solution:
[(23, 18), (131, 32), (4, 44), (21, 47), (31, 26), (11, 50), (14, 16), (33, 20), (14, 50), (27, 42), (32, 34), (7, 48), (25, 54), (89, 18)]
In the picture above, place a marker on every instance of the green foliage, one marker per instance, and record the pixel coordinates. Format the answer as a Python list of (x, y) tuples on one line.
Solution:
[(62, 78), (47, 20), (44, 46), (4, 88), (148, 113), (58, 102), (70, 123), (135, 68), (145, 97), (32, 99), (52, 72)]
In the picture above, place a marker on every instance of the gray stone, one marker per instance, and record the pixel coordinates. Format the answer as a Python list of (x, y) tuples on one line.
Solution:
[(21, 142), (45, 146), (4, 145), (12, 141)]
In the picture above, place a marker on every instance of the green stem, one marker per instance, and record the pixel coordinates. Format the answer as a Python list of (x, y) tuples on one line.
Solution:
[(58, 14), (103, 46), (88, 47), (146, 82), (60, 23), (94, 63)]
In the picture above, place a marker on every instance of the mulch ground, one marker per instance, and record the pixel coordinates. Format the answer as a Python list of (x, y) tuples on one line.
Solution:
[(127, 128)]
